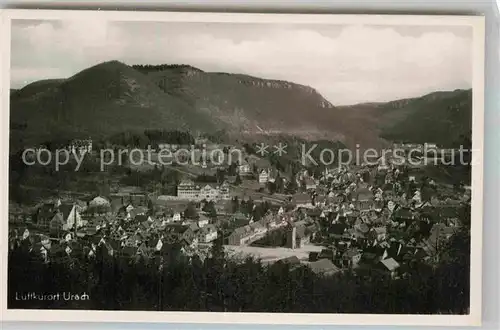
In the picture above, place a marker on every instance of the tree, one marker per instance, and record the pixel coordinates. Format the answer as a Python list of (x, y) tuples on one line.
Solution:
[(220, 175), (280, 184), (191, 212), (291, 187), (151, 207), (247, 206), (237, 180), (231, 170), (257, 213), (235, 204), (271, 186), (366, 176), (217, 250), (209, 208)]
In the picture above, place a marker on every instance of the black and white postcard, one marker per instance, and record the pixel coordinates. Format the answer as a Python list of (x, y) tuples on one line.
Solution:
[(242, 168)]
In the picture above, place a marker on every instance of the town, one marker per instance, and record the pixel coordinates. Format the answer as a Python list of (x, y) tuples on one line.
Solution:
[(356, 217)]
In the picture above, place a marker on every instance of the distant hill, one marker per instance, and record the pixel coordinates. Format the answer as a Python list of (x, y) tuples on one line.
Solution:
[(112, 98), (440, 117), (247, 104), (107, 98)]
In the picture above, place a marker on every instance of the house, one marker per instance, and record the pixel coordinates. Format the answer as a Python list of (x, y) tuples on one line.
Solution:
[(258, 228), (141, 218), (133, 212), (351, 257), (187, 190), (143, 251), (99, 201), (99, 222), (44, 214), (240, 235), (362, 228), (404, 215), (176, 217), (155, 243), (378, 234), (391, 206), (109, 246), (208, 192), (203, 221), (207, 234), (323, 267), (179, 232), (132, 240), (364, 199), (125, 211), (66, 218), (239, 218), (302, 199), (263, 176), (389, 265), (439, 234), (329, 253), (396, 251), (309, 183), (244, 167), (354, 235)]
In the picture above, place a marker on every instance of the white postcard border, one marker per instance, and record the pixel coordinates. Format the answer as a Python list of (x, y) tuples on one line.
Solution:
[(474, 318)]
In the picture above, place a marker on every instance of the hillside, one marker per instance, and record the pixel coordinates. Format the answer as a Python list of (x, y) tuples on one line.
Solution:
[(107, 98), (248, 104), (112, 98), (440, 117)]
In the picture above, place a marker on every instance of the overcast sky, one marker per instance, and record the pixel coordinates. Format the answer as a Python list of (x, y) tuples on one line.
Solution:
[(347, 64)]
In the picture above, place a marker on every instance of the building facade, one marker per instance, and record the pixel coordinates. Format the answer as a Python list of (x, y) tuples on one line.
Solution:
[(263, 177), (190, 191)]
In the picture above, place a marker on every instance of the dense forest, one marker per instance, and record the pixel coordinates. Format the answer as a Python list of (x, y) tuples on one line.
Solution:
[(219, 283)]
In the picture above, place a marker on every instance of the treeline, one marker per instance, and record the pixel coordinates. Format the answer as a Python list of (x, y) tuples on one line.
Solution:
[(226, 285), (161, 67), (160, 179), (150, 138)]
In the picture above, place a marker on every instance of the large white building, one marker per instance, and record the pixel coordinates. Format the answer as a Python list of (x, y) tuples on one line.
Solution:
[(263, 176), (190, 191)]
